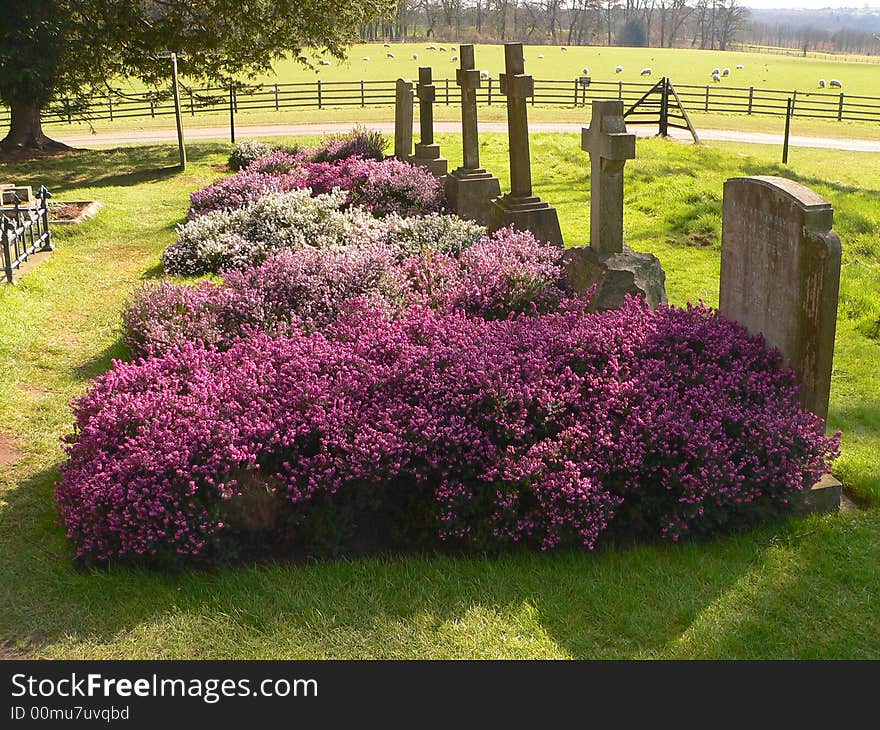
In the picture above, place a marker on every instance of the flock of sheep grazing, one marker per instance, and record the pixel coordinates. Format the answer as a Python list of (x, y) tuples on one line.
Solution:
[(717, 73)]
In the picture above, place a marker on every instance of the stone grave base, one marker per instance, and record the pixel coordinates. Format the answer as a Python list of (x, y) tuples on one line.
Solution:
[(823, 496), (428, 155), (527, 214), (615, 275), (470, 193)]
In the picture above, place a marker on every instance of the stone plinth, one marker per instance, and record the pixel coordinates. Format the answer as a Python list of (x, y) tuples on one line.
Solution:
[(470, 192)]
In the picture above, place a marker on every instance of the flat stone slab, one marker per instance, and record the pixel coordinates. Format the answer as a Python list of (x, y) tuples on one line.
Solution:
[(88, 209), (824, 496)]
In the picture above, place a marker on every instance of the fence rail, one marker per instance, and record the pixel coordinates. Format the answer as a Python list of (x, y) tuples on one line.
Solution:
[(24, 230), (571, 93)]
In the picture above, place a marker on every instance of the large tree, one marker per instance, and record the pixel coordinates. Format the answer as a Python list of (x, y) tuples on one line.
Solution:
[(70, 48)]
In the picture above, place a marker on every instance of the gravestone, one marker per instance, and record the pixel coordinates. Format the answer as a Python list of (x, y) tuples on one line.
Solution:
[(470, 188), (403, 119), (612, 267), (427, 151), (780, 273), (520, 206), (780, 276)]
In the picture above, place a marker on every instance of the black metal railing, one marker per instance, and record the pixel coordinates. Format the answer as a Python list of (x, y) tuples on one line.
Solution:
[(24, 230)]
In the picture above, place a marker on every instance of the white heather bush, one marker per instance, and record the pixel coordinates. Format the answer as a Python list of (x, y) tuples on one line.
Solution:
[(228, 240), (246, 152), (434, 233)]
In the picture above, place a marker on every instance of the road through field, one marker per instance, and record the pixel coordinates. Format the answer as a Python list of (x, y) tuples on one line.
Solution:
[(295, 130)]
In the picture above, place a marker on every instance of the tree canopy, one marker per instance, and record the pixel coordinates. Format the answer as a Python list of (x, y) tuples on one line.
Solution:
[(50, 48)]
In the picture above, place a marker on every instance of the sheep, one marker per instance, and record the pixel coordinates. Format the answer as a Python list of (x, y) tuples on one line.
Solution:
[(365, 58), (563, 48), (835, 84), (389, 55), (725, 72), (443, 48), (716, 78), (618, 69), (454, 59), (821, 83), (646, 72), (484, 74), (432, 47), (325, 63), (540, 55), (715, 71), (415, 56), (387, 45), (586, 71), (739, 67)]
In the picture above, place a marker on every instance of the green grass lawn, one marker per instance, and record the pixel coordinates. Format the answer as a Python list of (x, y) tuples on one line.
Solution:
[(806, 588)]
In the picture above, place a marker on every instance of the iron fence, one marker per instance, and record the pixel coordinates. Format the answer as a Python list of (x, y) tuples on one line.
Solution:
[(24, 230)]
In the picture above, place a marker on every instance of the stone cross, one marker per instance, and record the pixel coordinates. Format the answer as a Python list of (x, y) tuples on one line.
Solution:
[(520, 207), (517, 87), (403, 119), (468, 78), (427, 152), (610, 146), (780, 275)]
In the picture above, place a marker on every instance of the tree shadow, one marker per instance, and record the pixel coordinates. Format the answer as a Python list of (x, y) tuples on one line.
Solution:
[(102, 362)]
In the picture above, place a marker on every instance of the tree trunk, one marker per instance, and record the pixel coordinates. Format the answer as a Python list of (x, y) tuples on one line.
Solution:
[(26, 131)]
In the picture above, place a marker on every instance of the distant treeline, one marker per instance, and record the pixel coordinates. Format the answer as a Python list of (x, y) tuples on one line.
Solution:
[(706, 24)]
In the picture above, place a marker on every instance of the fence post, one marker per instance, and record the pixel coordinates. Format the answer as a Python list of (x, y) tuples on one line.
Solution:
[(4, 244), (320, 101), (67, 109), (489, 91), (751, 97), (788, 106), (177, 119), (110, 105), (277, 106), (192, 105), (793, 101), (707, 98), (575, 93), (152, 105), (447, 92), (232, 111), (664, 108), (840, 108), (620, 90), (363, 99)]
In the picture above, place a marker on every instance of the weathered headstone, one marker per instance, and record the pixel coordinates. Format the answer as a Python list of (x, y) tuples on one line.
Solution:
[(403, 119), (780, 273), (427, 151), (470, 188), (520, 206), (780, 276), (612, 267)]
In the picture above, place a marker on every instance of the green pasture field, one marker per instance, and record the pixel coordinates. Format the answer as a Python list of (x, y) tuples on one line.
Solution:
[(805, 588)]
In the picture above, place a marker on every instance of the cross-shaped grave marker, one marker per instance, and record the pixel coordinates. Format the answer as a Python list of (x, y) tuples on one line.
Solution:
[(427, 152), (610, 146), (520, 206), (470, 188)]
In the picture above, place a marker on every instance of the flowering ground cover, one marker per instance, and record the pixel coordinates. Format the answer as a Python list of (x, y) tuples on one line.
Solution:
[(801, 588)]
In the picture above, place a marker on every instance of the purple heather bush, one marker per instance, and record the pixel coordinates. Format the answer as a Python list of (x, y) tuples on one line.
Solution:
[(505, 272), (383, 187), (439, 428)]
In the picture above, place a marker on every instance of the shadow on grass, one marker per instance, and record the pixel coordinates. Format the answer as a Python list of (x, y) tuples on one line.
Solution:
[(101, 363), (638, 601)]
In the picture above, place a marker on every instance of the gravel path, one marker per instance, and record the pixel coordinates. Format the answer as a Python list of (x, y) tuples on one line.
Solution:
[(293, 130)]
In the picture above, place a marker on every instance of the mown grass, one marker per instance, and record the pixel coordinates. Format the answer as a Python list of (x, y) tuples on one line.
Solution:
[(806, 588)]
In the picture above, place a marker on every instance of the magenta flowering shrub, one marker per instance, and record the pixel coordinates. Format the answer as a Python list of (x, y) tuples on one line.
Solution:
[(394, 186), (382, 187), (435, 427), (505, 272), (359, 142)]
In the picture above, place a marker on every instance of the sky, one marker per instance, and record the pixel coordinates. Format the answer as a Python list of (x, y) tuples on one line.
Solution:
[(811, 4)]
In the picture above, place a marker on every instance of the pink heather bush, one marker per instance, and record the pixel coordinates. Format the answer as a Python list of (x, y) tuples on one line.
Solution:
[(438, 427), (382, 187), (505, 272)]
